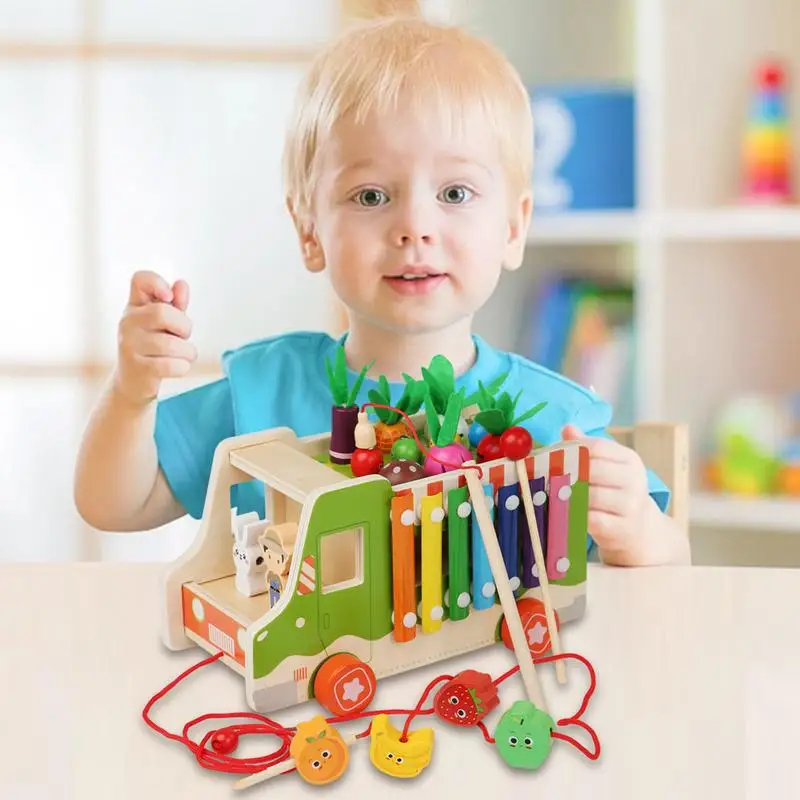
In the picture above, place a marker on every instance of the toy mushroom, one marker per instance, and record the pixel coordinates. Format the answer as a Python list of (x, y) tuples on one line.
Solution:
[(402, 470)]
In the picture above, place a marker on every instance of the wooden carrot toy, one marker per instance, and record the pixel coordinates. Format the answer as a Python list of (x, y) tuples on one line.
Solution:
[(387, 552)]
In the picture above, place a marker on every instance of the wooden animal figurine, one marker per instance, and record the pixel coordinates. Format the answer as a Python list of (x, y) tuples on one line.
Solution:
[(238, 522), (248, 559)]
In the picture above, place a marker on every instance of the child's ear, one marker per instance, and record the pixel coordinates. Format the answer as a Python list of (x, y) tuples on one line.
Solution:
[(518, 232), (310, 248)]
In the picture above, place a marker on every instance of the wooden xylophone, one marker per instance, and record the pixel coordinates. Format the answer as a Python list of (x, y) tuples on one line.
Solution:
[(558, 479)]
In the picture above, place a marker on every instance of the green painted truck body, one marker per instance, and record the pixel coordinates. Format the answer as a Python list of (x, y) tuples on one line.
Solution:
[(364, 610)]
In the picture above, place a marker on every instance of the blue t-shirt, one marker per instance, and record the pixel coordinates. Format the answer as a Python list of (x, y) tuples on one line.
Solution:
[(282, 382)]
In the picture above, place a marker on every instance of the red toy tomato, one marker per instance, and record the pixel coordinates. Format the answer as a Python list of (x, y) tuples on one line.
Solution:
[(489, 448), (516, 443), (366, 462), (467, 698)]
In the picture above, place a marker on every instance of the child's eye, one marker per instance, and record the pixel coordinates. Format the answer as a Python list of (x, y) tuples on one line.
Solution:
[(371, 197), (456, 194)]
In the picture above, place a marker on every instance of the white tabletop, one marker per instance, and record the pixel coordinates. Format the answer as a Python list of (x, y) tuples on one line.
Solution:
[(698, 694)]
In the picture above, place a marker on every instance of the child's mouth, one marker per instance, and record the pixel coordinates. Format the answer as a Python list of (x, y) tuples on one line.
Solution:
[(414, 283)]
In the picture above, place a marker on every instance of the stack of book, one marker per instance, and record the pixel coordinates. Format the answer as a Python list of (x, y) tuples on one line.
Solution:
[(583, 329)]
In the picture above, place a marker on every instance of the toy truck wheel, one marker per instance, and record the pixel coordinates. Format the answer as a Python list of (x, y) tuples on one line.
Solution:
[(344, 684), (534, 623)]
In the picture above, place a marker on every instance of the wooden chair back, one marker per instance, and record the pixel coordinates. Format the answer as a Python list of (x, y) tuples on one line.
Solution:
[(664, 448)]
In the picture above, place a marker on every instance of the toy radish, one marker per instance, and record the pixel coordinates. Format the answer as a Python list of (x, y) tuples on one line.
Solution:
[(445, 453)]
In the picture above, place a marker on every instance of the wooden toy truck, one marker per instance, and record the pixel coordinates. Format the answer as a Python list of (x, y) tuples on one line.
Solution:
[(382, 578)]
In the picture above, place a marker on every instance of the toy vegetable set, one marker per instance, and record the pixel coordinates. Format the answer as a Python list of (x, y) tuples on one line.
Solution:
[(409, 534)]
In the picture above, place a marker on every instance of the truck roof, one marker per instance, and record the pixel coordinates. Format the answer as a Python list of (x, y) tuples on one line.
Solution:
[(285, 468)]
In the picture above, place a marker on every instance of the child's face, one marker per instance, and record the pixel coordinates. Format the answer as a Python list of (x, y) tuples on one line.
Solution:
[(396, 197)]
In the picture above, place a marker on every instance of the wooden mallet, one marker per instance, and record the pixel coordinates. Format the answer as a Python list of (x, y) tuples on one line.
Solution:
[(527, 668), (541, 568), (518, 448)]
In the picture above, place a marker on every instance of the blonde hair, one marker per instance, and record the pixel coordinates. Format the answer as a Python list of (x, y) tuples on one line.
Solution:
[(441, 69)]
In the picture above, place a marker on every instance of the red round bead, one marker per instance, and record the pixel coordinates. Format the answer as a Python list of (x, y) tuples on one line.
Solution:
[(516, 443), (224, 742)]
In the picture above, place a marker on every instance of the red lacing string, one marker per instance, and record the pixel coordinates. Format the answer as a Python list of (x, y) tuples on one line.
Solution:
[(428, 689), (575, 719), (209, 758), (412, 430), (417, 711), (264, 726)]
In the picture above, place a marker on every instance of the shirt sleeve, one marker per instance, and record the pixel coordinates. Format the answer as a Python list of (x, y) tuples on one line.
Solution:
[(189, 426)]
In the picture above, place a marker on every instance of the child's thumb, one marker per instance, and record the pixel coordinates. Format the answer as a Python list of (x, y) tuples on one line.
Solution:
[(571, 432)]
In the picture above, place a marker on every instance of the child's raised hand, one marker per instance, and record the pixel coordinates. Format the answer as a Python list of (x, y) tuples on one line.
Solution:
[(619, 498), (153, 337)]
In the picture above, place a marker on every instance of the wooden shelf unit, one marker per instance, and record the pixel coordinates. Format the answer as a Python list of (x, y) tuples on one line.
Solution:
[(715, 280)]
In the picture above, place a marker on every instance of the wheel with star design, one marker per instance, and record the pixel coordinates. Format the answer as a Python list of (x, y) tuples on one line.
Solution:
[(344, 684), (534, 623)]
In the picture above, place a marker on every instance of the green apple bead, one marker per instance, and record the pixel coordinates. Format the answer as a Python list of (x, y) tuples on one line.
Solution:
[(406, 447), (524, 736)]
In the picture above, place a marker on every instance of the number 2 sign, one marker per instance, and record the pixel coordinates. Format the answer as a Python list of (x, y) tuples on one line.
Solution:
[(555, 134), (584, 148)]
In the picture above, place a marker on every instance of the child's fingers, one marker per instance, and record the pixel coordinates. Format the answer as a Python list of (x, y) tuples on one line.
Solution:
[(167, 367), (571, 433), (610, 500), (163, 317), (604, 528), (599, 447), (147, 287), (156, 344), (614, 474)]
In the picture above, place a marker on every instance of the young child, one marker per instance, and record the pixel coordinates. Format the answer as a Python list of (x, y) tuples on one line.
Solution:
[(408, 166)]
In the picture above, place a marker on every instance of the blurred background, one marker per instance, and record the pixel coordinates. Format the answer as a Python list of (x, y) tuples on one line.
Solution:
[(663, 266)]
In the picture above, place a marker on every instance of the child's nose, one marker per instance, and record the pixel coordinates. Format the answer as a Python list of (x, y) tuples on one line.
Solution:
[(414, 224), (413, 238)]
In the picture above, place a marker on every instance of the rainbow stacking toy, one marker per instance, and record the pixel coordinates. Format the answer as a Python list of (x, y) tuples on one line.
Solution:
[(767, 172)]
